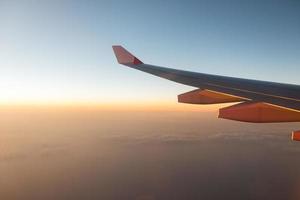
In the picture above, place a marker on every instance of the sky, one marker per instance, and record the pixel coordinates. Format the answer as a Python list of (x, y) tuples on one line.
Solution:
[(54, 52), (58, 52)]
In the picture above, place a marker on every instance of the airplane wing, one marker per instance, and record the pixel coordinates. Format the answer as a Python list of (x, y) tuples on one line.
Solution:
[(258, 101)]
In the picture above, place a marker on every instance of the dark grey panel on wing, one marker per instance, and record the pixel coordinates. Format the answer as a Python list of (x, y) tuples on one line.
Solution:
[(286, 95)]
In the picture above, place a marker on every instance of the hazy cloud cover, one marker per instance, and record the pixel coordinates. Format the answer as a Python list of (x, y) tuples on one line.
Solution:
[(144, 155)]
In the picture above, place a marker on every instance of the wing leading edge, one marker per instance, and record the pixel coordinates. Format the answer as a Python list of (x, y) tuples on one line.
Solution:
[(270, 101)]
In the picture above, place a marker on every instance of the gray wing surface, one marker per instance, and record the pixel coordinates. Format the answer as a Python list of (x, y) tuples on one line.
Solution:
[(279, 94)]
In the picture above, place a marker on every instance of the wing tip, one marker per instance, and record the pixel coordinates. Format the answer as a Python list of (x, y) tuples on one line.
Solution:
[(125, 57)]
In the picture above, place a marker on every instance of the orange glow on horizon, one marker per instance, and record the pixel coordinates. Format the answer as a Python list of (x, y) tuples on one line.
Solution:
[(114, 106)]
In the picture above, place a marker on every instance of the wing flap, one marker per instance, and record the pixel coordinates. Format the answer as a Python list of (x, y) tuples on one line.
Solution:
[(201, 96), (259, 112)]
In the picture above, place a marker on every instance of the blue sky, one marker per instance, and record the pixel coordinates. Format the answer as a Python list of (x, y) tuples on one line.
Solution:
[(60, 51)]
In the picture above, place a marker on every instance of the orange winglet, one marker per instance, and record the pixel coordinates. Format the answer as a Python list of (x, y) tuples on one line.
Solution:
[(200, 96), (259, 112), (296, 135), (125, 57)]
